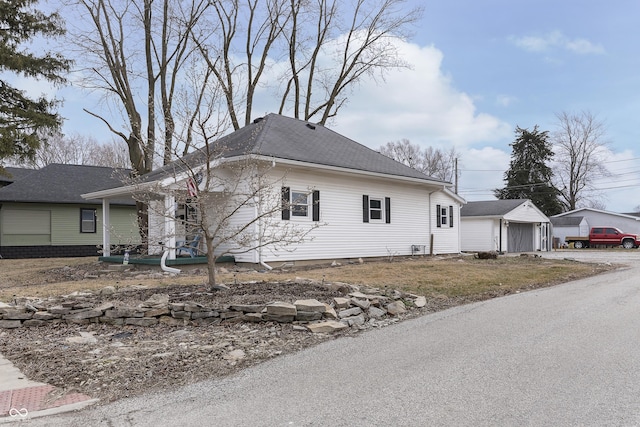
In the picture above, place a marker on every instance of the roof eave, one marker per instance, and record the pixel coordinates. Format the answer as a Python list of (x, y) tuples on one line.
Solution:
[(440, 184)]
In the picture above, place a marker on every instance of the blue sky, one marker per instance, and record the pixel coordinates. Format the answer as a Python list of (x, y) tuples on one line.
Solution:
[(481, 68), (504, 64)]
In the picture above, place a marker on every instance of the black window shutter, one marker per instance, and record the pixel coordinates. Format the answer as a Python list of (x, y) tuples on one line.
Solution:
[(387, 210), (438, 216), (450, 216), (365, 208), (316, 205), (285, 203)]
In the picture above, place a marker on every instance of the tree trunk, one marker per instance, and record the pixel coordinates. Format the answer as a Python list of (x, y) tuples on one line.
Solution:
[(211, 261)]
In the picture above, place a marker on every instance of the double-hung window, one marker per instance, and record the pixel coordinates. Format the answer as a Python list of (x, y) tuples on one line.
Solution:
[(298, 204), (444, 216), (376, 209), (87, 220)]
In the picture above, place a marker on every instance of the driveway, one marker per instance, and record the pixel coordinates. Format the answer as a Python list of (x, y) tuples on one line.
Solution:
[(618, 256), (563, 356)]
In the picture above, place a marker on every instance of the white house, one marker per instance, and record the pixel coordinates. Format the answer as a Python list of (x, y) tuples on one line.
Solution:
[(629, 223), (364, 203), (513, 225)]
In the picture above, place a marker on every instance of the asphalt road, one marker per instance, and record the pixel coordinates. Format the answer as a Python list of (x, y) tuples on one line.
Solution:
[(562, 356)]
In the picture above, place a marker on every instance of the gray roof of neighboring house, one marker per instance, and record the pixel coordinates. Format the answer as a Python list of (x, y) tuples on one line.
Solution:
[(57, 183), (13, 174), (287, 138), (490, 207), (566, 221)]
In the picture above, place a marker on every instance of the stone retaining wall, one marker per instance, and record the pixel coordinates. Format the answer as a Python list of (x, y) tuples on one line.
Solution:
[(355, 309)]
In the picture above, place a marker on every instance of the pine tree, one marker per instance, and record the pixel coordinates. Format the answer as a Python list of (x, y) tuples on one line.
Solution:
[(24, 120), (529, 176)]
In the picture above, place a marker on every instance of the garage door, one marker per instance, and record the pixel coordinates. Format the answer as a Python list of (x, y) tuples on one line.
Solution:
[(520, 237)]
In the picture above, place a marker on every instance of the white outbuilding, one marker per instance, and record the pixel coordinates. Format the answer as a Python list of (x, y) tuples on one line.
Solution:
[(513, 225)]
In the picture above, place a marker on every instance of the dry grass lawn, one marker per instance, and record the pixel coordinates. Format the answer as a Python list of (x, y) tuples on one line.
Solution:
[(439, 277)]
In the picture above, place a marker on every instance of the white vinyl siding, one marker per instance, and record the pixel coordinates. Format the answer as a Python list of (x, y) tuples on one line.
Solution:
[(343, 234), (446, 239), (480, 235)]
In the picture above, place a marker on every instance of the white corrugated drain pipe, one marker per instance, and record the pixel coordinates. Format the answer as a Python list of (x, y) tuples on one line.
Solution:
[(166, 268)]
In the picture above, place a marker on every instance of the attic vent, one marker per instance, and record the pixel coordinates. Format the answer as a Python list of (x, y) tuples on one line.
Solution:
[(310, 126), (258, 120)]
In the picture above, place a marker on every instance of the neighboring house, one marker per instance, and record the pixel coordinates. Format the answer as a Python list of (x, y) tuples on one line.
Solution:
[(629, 223), (512, 225), (11, 175), (568, 226), (367, 205), (43, 215)]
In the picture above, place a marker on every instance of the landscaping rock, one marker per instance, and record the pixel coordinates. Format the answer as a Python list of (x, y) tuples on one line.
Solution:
[(376, 312), (281, 309), (420, 301), (326, 327), (10, 324), (349, 312), (309, 305), (396, 308)]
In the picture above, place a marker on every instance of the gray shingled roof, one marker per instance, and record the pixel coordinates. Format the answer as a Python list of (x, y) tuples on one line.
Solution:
[(13, 174), (566, 221), (287, 138), (490, 207), (58, 183)]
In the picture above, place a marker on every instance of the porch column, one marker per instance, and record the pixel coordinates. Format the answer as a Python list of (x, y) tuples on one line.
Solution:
[(170, 225), (106, 226)]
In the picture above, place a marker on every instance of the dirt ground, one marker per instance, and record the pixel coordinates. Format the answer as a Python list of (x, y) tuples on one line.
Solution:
[(112, 362)]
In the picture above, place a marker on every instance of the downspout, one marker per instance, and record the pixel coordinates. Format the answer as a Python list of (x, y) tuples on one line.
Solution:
[(166, 268), (500, 238), (260, 260)]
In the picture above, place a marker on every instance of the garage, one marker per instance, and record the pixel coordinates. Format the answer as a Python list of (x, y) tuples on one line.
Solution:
[(512, 225)]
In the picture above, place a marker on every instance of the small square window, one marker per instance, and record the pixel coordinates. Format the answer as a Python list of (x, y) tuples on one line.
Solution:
[(87, 220)]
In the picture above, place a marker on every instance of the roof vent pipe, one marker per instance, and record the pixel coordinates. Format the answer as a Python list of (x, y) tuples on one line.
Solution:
[(310, 126), (258, 120)]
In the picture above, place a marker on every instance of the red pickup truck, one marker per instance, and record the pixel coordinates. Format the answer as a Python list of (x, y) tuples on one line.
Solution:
[(609, 236)]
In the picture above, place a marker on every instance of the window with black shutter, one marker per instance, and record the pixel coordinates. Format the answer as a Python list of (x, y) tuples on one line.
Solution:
[(376, 209), (286, 214)]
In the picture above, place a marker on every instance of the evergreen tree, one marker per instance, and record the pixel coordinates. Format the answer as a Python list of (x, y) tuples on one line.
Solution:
[(528, 176), (24, 120)]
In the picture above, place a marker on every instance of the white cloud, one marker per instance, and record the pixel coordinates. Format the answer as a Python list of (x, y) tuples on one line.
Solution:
[(420, 104), (482, 171), (505, 100), (557, 40)]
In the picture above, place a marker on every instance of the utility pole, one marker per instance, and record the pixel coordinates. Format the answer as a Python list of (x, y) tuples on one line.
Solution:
[(455, 169)]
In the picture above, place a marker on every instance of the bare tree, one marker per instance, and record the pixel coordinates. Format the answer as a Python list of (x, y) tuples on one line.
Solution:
[(330, 46), (130, 48), (78, 149), (431, 161), (234, 202), (579, 145)]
